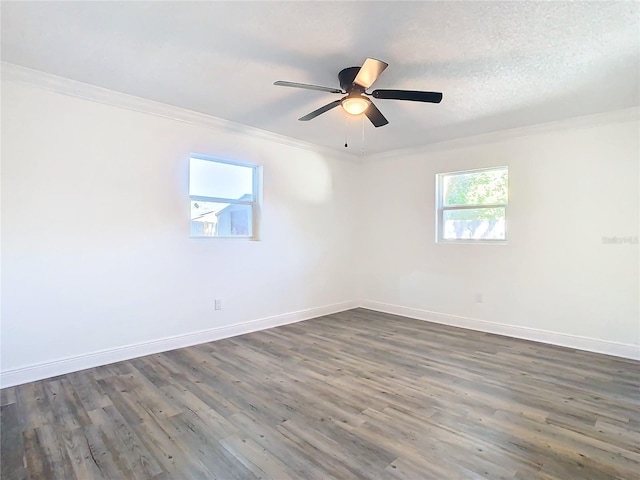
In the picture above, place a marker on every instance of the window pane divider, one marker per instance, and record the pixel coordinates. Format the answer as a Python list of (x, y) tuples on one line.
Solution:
[(221, 200), (473, 207)]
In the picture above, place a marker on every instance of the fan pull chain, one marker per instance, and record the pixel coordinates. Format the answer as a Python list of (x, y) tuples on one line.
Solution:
[(363, 134), (345, 131)]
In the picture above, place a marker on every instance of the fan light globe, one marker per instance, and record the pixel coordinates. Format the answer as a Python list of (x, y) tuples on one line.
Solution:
[(355, 105)]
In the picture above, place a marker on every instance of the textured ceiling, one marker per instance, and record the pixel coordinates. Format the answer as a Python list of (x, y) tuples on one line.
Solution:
[(500, 65)]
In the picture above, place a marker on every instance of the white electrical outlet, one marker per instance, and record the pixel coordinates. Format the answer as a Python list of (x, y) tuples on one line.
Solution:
[(478, 298), (218, 304)]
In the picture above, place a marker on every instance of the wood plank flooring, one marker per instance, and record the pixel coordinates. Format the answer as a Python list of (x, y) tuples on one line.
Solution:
[(355, 395)]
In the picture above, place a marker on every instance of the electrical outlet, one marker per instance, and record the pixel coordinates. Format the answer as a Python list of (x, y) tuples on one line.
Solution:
[(218, 304), (478, 298)]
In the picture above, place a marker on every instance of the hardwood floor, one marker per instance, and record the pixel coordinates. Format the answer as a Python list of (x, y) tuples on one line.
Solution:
[(353, 395)]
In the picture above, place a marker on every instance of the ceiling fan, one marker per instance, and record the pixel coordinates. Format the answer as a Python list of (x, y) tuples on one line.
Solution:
[(354, 81)]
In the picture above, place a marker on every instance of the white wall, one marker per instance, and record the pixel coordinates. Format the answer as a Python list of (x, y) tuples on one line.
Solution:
[(96, 252), (555, 280)]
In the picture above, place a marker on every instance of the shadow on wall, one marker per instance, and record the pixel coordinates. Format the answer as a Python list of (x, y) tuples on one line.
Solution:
[(305, 177)]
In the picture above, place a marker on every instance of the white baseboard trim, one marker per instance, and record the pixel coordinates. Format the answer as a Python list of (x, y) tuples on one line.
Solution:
[(53, 368), (554, 338), (62, 366)]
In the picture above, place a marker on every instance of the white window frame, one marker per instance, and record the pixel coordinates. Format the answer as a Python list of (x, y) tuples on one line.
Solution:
[(255, 194), (441, 208)]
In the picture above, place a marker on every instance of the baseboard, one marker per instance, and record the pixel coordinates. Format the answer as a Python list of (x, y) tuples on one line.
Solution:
[(554, 338), (62, 366), (53, 368)]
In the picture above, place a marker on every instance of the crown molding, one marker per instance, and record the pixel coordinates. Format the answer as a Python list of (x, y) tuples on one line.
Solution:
[(597, 119), (65, 86), (19, 74)]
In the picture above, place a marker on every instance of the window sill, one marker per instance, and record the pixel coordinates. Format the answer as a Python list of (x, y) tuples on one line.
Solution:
[(471, 242), (235, 237)]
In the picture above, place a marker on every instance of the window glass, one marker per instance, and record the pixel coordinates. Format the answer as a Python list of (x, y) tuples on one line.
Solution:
[(223, 198), (221, 180), (476, 224), (475, 188), (472, 205)]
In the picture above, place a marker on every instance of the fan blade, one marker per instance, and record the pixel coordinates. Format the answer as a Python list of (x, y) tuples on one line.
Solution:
[(412, 95), (369, 72), (320, 111), (280, 83), (375, 116)]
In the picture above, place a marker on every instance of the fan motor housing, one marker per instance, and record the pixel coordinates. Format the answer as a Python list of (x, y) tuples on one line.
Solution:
[(346, 77)]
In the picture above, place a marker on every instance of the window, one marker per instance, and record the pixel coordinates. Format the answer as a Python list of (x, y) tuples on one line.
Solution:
[(224, 198), (472, 205)]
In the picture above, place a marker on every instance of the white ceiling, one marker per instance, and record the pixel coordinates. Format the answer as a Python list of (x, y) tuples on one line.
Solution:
[(500, 65)]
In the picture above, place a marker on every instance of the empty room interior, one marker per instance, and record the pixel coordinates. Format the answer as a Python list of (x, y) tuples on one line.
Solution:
[(320, 240)]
